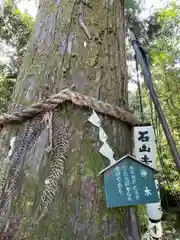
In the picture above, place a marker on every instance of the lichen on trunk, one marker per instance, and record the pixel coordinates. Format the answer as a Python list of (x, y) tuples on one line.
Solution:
[(79, 44)]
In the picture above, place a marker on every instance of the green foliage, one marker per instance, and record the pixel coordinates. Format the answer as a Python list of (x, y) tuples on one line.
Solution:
[(15, 28), (132, 4), (143, 219), (6, 87), (171, 227), (164, 53), (133, 22), (164, 49)]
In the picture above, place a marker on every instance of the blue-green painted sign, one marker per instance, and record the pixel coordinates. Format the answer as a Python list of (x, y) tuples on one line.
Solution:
[(129, 182)]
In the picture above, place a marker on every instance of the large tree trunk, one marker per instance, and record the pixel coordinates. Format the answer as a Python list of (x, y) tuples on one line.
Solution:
[(79, 44)]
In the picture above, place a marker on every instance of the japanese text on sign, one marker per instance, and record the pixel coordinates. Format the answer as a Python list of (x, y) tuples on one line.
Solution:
[(144, 145), (118, 178), (129, 182)]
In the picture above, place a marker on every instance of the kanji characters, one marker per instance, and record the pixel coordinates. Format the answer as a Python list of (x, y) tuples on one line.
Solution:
[(131, 169), (143, 173), (145, 159), (118, 178), (144, 148), (136, 192), (129, 194), (147, 192), (133, 179), (143, 137)]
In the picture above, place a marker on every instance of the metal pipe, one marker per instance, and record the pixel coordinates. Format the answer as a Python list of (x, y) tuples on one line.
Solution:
[(145, 66)]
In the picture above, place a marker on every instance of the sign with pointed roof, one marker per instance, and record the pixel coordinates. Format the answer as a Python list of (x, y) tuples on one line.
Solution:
[(129, 182)]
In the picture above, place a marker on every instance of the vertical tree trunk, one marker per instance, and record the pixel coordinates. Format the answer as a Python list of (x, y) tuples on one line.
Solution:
[(80, 44)]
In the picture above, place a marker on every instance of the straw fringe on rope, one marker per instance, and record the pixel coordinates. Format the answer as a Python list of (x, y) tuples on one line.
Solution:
[(67, 95)]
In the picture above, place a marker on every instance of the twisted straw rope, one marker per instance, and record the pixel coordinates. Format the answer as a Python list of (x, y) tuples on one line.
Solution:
[(74, 97)]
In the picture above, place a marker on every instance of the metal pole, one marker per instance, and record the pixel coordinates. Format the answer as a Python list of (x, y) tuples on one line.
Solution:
[(144, 62)]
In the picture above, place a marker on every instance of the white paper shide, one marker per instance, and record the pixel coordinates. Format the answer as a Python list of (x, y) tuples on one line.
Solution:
[(105, 149)]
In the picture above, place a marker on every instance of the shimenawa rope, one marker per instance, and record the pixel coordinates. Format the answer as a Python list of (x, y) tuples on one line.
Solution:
[(76, 98)]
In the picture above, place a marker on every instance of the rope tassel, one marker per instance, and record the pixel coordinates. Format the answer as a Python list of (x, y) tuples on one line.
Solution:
[(60, 151)]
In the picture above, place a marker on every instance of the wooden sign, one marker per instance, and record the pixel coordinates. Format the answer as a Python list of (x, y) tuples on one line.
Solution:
[(144, 145), (145, 151), (129, 182)]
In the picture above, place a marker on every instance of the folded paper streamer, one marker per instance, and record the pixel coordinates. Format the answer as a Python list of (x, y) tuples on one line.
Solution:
[(102, 135), (105, 150)]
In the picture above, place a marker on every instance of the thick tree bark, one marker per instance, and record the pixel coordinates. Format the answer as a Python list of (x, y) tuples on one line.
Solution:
[(79, 44)]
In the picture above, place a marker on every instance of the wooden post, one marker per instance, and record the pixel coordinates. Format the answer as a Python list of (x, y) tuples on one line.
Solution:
[(145, 151)]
